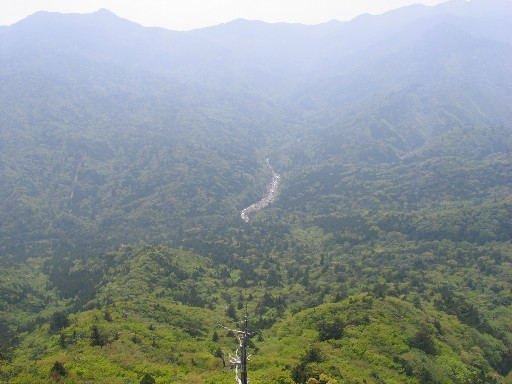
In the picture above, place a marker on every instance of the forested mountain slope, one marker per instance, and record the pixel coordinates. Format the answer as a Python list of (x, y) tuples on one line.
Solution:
[(127, 154)]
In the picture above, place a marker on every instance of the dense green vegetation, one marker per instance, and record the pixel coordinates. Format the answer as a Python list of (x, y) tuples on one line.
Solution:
[(155, 310), (386, 257)]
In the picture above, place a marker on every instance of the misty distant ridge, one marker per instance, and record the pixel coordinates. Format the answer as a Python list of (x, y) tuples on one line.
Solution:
[(455, 45), (266, 47), (404, 77), (465, 8)]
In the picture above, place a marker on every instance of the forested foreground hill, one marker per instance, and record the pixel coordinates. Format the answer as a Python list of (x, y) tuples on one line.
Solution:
[(127, 154), (155, 312)]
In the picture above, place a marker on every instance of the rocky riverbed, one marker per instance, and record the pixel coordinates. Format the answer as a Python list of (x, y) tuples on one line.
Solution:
[(272, 190)]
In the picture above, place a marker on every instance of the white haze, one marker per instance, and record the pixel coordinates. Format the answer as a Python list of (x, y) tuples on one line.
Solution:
[(192, 14)]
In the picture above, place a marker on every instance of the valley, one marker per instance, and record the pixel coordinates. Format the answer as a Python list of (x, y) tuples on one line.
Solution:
[(375, 245)]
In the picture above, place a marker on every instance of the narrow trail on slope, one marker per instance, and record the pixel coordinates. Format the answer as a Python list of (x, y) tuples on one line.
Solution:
[(272, 190)]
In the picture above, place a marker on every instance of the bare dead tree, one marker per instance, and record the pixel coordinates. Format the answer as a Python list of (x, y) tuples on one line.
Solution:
[(239, 361)]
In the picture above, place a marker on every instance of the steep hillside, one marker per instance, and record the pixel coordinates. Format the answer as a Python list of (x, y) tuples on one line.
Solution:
[(105, 119)]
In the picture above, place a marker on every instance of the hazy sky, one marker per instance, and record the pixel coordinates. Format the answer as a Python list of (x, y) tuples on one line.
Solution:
[(190, 14)]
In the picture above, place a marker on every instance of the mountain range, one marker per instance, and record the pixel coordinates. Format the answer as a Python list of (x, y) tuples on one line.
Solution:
[(127, 154)]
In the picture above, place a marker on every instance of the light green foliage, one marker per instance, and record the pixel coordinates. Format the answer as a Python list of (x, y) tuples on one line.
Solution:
[(151, 330)]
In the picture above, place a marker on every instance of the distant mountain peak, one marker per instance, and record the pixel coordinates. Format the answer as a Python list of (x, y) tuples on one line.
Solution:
[(105, 11), (102, 14)]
